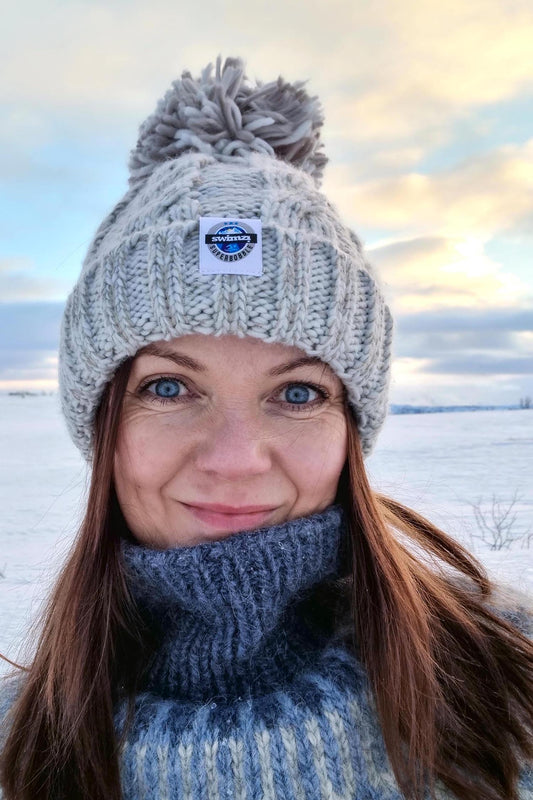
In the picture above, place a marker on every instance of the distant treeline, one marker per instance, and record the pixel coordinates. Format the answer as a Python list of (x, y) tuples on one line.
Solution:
[(25, 393), (406, 409)]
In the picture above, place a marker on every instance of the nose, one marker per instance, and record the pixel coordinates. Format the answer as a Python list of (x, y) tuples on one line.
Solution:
[(235, 446)]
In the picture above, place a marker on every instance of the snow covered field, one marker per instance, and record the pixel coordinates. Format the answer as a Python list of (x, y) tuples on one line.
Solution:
[(437, 463)]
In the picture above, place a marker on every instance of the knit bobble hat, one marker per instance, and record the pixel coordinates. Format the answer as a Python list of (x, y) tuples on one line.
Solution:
[(224, 230)]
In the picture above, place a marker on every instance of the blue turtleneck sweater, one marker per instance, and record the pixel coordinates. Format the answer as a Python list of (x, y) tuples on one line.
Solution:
[(246, 696)]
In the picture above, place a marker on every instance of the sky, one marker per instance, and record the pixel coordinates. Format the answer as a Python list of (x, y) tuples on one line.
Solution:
[(429, 134)]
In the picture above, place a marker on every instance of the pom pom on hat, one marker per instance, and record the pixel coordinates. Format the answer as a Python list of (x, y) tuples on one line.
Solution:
[(226, 116)]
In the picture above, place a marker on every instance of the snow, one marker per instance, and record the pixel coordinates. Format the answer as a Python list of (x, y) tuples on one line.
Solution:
[(435, 463)]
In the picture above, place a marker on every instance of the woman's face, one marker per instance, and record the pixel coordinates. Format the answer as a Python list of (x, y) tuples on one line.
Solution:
[(224, 434)]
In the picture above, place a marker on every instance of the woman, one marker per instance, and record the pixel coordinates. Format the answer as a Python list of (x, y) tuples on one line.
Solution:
[(241, 616)]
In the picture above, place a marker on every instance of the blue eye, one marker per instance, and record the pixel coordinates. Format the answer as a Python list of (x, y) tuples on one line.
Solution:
[(298, 394), (302, 396), (164, 390), (167, 388)]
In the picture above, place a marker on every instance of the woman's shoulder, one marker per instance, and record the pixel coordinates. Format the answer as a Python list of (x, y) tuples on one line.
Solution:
[(507, 602), (10, 686), (514, 605)]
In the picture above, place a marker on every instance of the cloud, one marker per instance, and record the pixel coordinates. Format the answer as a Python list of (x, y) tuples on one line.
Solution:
[(471, 343), (396, 68), (458, 355), (476, 341), (482, 364), (30, 326), (413, 381), (435, 272), (28, 365), (29, 333), (434, 63), (478, 197), (20, 281), (474, 320)]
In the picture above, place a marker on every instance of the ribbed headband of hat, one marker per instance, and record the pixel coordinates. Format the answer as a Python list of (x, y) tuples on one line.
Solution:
[(224, 231)]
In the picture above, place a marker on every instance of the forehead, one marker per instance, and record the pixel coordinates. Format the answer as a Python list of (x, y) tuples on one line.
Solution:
[(207, 343), (208, 352)]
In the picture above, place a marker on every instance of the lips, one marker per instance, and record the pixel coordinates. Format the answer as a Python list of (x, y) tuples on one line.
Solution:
[(221, 509), (230, 518)]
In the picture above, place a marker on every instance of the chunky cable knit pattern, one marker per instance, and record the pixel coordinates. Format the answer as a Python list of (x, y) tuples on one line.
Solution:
[(246, 697), (219, 604), (141, 281)]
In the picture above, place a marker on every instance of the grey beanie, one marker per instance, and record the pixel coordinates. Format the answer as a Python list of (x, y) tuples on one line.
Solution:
[(224, 231)]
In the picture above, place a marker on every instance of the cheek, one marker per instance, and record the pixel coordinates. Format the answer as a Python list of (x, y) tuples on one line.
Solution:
[(317, 454), (146, 456)]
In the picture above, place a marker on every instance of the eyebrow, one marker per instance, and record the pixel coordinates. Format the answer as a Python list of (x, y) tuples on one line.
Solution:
[(180, 359), (156, 349), (304, 361)]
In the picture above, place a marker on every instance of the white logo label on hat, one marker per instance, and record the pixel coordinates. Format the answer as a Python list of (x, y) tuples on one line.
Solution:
[(230, 246)]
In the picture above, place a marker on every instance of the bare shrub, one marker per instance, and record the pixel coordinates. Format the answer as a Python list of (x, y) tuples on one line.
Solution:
[(498, 524)]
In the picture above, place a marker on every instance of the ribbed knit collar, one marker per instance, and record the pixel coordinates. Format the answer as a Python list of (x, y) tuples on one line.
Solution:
[(225, 613)]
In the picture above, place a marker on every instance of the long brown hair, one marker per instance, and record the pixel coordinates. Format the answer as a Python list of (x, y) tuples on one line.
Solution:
[(452, 681)]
